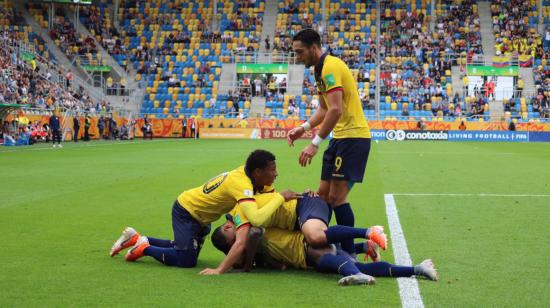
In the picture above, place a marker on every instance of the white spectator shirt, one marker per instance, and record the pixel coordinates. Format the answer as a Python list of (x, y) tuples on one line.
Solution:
[(315, 103)]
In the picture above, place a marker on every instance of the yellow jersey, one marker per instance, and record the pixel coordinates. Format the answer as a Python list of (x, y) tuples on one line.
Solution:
[(218, 196), (332, 74), (284, 217), (284, 246)]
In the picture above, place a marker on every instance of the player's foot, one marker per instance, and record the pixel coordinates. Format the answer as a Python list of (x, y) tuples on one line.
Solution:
[(373, 251), (377, 235), (128, 238), (136, 252), (357, 279), (60, 145), (427, 269)]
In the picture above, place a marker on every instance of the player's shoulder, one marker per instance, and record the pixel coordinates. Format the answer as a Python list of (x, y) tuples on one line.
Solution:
[(332, 63), (239, 179), (238, 174)]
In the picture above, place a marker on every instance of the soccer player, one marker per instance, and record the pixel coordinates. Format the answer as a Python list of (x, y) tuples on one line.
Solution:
[(195, 209), (279, 248), (340, 111), (311, 215)]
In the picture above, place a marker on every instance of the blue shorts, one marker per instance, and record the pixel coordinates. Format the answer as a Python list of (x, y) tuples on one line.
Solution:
[(346, 159), (312, 208), (189, 234)]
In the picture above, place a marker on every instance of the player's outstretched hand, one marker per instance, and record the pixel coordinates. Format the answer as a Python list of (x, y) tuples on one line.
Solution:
[(310, 193), (307, 155), (294, 134), (290, 195), (210, 271)]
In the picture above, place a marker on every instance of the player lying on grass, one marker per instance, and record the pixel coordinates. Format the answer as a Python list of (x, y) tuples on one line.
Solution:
[(311, 215), (277, 248), (195, 209)]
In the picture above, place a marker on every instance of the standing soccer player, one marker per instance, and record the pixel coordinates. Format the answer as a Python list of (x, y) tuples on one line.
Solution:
[(340, 111)]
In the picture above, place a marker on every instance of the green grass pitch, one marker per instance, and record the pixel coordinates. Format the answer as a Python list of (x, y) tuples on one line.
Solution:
[(61, 210)]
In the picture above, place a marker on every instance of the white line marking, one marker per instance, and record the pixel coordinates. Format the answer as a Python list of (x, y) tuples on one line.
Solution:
[(471, 195), (408, 287)]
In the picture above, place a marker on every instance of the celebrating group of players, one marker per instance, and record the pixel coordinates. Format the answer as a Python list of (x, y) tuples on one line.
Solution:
[(286, 229)]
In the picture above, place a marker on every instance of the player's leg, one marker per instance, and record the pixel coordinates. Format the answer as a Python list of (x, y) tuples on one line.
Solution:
[(339, 190), (326, 172), (184, 252), (385, 269), (128, 238), (314, 217), (370, 249), (327, 261), (349, 166)]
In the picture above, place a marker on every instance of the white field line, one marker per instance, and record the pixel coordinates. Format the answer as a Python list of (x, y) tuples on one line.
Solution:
[(470, 195), (408, 287)]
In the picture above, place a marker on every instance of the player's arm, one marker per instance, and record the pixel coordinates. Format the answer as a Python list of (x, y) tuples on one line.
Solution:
[(258, 216), (333, 113), (234, 254), (254, 236), (319, 114), (334, 105)]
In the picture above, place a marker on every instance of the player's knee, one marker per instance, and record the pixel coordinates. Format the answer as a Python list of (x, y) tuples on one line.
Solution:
[(335, 199), (317, 239), (185, 260), (323, 195)]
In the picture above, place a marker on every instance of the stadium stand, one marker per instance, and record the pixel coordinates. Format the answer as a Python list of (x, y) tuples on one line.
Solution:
[(77, 47), (515, 27), (180, 71), (178, 54), (22, 84), (15, 27)]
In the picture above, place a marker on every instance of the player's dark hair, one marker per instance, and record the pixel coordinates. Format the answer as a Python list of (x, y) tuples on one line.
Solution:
[(258, 159), (308, 37), (219, 241)]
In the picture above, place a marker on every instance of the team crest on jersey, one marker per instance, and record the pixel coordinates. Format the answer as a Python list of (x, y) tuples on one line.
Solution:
[(330, 80), (214, 183), (237, 220)]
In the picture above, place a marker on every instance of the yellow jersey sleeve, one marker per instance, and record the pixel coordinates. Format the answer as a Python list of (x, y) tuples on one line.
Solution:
[(332, 76), (284, 217), (238, 216)]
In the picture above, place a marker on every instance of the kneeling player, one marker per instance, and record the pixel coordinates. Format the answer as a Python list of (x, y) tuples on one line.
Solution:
[(195, 209), (283, 247)]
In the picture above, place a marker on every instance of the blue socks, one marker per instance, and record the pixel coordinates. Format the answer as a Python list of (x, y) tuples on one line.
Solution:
[(385, 269), (337, 234), (360, 248), (172, 257), (337, 264), (160, 242), (344, 217)]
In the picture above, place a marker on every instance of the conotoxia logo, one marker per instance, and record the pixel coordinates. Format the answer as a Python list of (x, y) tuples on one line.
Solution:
[(400, 135), (395, 135)]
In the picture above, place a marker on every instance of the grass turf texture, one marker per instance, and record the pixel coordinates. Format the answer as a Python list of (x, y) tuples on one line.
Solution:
[(62, 209)]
